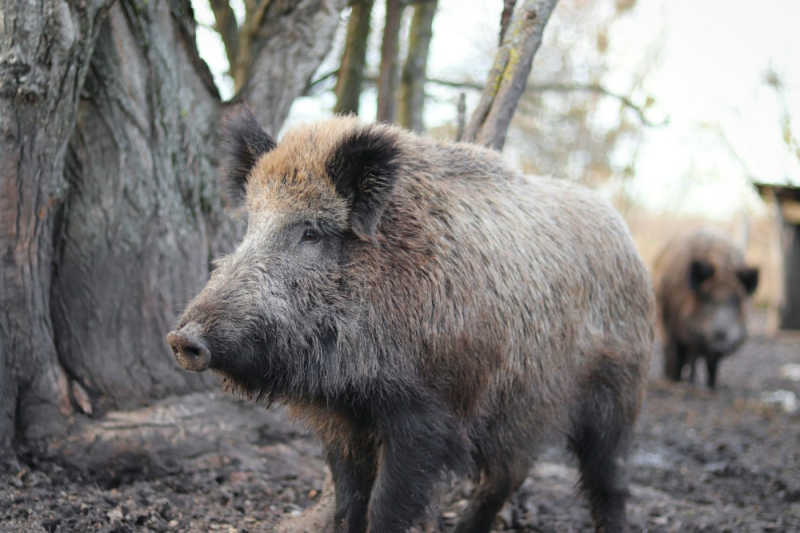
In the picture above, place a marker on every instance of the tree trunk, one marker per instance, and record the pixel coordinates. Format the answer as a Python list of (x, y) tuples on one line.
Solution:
[(45, 51), (141, 204), (351, 71), (387, 78), (509, 75), (412, 81), (461, 115), (109, 211)]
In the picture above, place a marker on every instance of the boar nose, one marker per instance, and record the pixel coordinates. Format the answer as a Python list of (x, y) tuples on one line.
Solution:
[(189, 349)]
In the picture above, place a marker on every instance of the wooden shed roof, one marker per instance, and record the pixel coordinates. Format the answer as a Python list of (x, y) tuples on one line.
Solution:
[(783, 192)]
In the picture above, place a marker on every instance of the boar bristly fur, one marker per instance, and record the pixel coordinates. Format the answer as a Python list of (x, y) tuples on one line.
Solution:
[(703, 286), (428, 311)]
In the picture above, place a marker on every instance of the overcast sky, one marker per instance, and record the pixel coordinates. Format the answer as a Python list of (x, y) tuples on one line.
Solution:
[(710, 76)]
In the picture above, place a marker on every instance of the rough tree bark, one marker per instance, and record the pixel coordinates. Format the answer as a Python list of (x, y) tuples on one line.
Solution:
[(412, 80), (388, 75), (109, 212), (291, 36), (505, 18), (509, 75), (45, 51), (351, 71), (140, 205)]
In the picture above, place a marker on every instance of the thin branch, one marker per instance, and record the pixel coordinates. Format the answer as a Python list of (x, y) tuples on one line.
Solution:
[(540, 88), (334, 74), (562, 87), (599, 89), (456, 84)]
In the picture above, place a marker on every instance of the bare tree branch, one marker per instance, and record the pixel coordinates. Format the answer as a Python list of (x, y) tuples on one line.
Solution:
[(348, 85), (457, 84), (599, 89), (541, 87), (227, 27), (387, 79), (311, 88), (564, 87), (509, 75), (412, 80)]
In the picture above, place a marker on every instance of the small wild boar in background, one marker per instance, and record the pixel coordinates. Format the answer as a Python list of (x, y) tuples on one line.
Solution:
[(703, 287), (426, 310)]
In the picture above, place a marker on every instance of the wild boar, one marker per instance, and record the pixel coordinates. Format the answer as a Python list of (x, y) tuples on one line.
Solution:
[(702, 287), (427, 311)]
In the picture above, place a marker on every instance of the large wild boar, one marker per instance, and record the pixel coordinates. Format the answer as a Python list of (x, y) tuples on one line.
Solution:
[(702, 286), (427, 311)]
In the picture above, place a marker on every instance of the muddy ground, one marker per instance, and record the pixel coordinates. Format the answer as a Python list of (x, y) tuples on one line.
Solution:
[(724, 461)]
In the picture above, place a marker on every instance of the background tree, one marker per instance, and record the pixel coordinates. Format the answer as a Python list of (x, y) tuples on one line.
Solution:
[(110, 211), (350, 78), (411, 100), (388, 75)]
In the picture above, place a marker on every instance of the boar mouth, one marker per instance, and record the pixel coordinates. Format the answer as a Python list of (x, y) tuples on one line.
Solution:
[(189, 349)]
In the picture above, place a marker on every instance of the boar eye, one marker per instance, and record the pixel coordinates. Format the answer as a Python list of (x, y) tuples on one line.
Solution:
[(310, 236)]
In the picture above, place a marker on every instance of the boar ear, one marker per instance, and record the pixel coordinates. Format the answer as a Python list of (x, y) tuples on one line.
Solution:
[(244, 142), (749, 278), (363, 168), (699, 272)]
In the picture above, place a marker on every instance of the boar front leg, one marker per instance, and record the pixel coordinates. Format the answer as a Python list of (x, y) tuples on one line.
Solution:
[(674, 359), (711, 365), (353, 468), (419, 444)]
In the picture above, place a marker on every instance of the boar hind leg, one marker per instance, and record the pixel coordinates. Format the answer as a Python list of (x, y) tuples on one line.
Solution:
[(600, 436), (353, 471), (693, 369), (494, 489)]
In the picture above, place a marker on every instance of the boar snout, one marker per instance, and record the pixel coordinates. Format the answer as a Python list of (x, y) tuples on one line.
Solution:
[(188, 347)]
